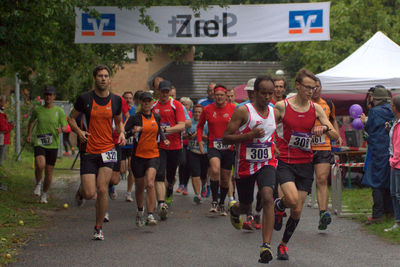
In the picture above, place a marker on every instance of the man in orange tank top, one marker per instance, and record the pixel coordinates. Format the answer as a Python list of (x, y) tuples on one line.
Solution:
[(98, 155), (323, 158), (295, 172)]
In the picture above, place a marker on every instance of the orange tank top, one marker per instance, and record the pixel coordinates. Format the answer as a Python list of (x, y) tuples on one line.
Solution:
[(100, 128), (147, 146)]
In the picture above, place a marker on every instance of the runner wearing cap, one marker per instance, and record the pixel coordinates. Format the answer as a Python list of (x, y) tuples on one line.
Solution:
[(295, 171), (172, 124), (220, 156), (145, 127), (252, 128), (50, 122), (98, 155)]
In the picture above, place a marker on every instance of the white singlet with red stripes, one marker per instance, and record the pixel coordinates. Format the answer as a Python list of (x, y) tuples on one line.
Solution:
[(252, 155)]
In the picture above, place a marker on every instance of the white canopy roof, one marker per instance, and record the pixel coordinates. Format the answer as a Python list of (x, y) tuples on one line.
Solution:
[(375, 62)]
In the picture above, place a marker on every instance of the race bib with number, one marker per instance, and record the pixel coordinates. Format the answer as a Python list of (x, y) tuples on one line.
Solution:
[(218, 144), (301, 140), (258, 152), (109, 156), (129, 141), (318, 140), (194, 146), (45, 139)]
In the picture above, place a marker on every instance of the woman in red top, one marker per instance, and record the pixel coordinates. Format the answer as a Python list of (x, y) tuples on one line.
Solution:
[(146, 128)]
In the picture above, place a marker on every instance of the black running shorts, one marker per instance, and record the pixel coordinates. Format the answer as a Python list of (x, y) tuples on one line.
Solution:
[(301, 174), (117, 165), (225, 156), (50, 154), (140, 165), (126, 153), (198, 164), (245, 185), (91, 163), (323, 156)]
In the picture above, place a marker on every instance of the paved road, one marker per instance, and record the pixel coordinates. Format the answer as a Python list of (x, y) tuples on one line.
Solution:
[(190, 238)]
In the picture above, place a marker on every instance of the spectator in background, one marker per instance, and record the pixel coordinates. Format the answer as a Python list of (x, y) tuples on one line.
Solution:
[(280, 89), (231, 96), (5, 129), (377, 172), (394, 161), (67, 143), (210, 96)]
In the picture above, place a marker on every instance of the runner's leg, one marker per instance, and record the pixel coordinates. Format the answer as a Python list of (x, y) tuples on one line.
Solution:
[(103, 180)]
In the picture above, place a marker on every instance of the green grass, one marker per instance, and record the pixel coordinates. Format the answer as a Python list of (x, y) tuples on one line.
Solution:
[(357, 200), (19, 204)]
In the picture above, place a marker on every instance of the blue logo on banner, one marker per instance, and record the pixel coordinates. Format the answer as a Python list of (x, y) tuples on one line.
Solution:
[(105, 25), (306, 21)]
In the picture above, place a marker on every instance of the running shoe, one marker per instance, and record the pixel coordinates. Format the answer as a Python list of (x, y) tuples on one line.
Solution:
[(197, 199), (38, 189), (236, 221), (79, 199), (208, 191), (180, 189), (265, 253), (168, 200), (140, 218), (221, 209), (163, 211), (249, 224), (151, 220), (203, 191), (278, 216), (324, 220), (185, 191), (282, 252), (128, 197), (395, 227), (107, 217), (278, 220), (66, 154), (257, 221), (43, 198), (98, 234), (213, 208), (112, 192)]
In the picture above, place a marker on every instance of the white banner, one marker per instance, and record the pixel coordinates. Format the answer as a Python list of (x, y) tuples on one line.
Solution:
[(217, 25)]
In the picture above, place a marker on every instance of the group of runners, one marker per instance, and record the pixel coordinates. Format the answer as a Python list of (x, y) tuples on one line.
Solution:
[(267, 140)]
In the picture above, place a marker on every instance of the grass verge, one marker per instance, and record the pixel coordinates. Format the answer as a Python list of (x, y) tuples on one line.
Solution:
[(19, 208), (358, 200)]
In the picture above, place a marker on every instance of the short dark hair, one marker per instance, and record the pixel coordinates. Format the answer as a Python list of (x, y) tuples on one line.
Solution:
[(99, 68), (198, 106), (126, 93), (259, 79), (280, 78), (304, 73)]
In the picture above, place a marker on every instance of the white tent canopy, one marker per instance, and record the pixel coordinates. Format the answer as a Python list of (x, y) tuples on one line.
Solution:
[(375, 62)]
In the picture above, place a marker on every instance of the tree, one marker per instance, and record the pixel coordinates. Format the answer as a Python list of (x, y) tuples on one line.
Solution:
[(352, 23)]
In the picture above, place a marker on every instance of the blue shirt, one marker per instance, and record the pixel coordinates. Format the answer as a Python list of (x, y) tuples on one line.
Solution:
[(193, 145), (132, 112), (205, 101)]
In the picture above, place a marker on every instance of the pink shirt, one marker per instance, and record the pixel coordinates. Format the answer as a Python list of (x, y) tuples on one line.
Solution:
[(395, 157)]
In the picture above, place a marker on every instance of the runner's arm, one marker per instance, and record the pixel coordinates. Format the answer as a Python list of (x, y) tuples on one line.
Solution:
[(119, 128), (239, 118), (279, 110), (326, 124)]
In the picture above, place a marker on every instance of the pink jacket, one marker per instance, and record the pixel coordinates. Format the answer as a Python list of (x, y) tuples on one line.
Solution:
[(395, 158)]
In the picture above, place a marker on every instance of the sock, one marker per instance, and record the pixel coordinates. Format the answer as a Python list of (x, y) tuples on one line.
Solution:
[(231, 199), (98, 227), (279, 205), (258, 202), (224, 192), (214, 190), (140, 209), (321, 211), (169, 191), (149, 213), (44, 194), (291, 225)]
